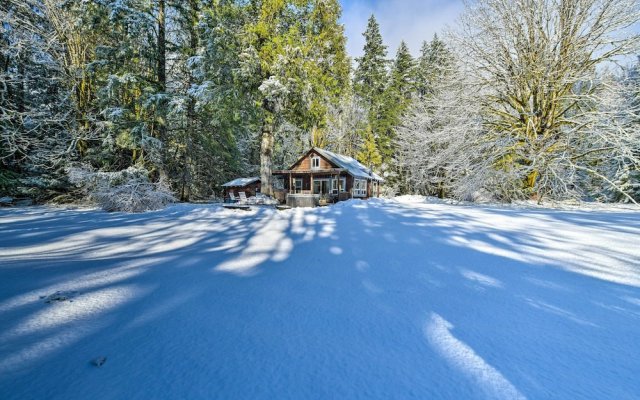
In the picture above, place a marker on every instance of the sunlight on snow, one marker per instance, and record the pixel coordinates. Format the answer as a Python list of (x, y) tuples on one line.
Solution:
[(541, 305), (482, 279), (101, 278), (54, 322), (463, 358), (270, 242), (86, 305), (599, 251)]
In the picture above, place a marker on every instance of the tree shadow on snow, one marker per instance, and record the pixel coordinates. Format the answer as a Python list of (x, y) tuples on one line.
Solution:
[(360, 300)]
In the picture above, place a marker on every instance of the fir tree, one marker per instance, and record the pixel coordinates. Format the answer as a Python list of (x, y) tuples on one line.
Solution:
[(398, 97), (433, 65), (403, 73), (369, 154), (370, 82), (370, 77)]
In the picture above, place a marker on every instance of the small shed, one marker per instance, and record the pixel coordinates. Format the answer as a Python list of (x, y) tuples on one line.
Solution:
[(251, 186)]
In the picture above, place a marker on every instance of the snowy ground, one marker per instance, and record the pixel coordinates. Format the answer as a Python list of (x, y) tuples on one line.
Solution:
[(372, 300)]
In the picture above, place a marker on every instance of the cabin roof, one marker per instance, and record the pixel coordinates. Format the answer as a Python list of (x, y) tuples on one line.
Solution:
[(242, 182), (351, 165)]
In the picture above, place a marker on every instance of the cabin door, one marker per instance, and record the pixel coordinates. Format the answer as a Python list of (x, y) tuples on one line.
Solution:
[(321, 186)]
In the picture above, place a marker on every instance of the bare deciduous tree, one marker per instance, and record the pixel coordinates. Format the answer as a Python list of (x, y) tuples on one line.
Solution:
[(536, 60), (549, 113)]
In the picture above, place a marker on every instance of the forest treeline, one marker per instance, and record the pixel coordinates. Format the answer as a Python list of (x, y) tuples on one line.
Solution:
[(524, 99)]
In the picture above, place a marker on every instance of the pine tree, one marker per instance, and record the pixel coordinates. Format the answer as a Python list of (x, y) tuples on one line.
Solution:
[(398, 97), (370, 81), (369, 154), (36, 111), (433, 65), (403, 73), (422, 71), (370, 78)]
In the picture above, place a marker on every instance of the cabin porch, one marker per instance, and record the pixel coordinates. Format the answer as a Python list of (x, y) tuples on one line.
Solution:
[(319, 187)]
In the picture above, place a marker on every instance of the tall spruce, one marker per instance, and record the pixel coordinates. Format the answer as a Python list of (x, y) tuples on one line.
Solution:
[(371, 77), (434, 63), (403, 73), (398, 97)]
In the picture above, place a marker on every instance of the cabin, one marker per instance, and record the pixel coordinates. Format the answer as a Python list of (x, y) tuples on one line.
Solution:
[(321, 176), (251, 187)]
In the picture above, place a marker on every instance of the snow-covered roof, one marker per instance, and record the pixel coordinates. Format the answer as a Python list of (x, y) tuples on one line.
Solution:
[(353, 166), (241, 182)]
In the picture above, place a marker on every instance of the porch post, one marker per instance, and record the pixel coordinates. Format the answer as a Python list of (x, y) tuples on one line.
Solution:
[(312, 184), (290, 183)]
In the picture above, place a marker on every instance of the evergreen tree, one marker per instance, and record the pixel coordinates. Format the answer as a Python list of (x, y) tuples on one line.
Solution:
[(370, 81), (398, 97), (433, 65), (422, 71), (370, 78), (369, 154), (403, 74), (293, 62), (36, 109)]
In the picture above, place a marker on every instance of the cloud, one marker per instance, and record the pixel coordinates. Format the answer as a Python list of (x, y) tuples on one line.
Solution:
[(410, 20)]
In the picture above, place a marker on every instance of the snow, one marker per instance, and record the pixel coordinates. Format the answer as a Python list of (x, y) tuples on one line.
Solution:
[(242, 182), (352, 165), (406, 298)]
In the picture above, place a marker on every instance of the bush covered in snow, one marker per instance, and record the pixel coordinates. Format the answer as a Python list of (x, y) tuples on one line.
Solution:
[(129, 190)]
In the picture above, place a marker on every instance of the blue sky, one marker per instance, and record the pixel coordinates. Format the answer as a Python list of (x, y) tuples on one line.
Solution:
[(411, 20)]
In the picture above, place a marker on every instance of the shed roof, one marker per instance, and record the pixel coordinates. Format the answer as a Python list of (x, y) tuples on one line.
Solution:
[(353, 166), (242, 182)]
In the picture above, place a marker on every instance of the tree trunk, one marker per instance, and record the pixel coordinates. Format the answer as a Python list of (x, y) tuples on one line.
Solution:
[(161, 63), (266, 154), (21, 86), (531, 181), (191, 106), (162, 47), (161, 72)]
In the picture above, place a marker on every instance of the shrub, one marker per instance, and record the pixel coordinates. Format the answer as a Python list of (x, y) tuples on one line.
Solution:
[(129, 190)]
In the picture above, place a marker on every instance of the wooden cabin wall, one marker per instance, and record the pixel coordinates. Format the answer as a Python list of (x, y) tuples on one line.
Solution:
[(305, 163)]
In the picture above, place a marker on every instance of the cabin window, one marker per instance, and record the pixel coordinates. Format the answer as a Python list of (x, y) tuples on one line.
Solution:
[(315, 162), (338, 185), (297, 185), (360, 188)]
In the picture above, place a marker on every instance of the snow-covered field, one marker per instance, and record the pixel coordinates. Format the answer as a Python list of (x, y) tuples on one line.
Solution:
[(386, 299)]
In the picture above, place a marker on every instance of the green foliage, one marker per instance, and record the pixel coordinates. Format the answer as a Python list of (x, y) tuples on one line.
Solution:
[(371, 85), (369, 154), (433, 65), (629, 183), (403, 74), (370, 78), (8, 182), (293, 61)]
